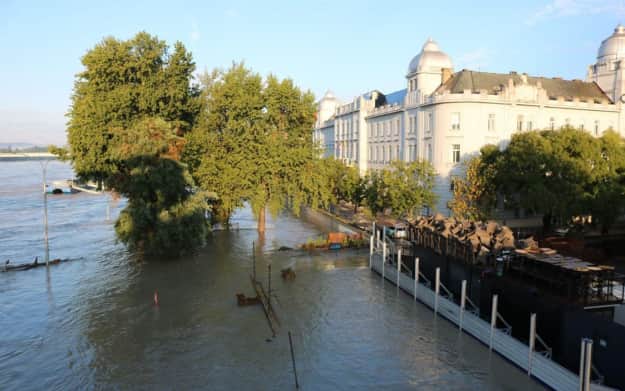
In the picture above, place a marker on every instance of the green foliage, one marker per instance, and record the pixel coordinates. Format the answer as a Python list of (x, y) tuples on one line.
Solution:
[(61, 153), (131, 103), (123, 82), (404, 188), (474, 196), (164, 215), (340, 182), (253, 143), (561, 173)]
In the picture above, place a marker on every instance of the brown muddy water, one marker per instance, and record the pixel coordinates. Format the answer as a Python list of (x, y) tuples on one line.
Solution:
[(91, 323)]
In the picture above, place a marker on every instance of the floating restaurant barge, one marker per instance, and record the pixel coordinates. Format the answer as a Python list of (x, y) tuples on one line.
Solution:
[(571, 298)]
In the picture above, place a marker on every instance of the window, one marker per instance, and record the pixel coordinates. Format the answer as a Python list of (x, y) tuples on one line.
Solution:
[(567, 122), (519, 123), (552, 123), (455, 121), (387, 127), (596, 128), (377, 129), (370, 132), (530, 126), (428, 121), (383, 154), (397, 127), (455, 153), (429, 152), (581, 126), (491, 122), (397, 153), (356, 131), (377, 153), (370, 153)]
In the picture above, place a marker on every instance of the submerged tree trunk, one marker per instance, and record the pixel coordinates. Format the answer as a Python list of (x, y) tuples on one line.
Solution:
[(261, 221)]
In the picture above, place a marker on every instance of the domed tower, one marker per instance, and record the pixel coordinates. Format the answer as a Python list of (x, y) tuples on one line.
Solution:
[(426, 68), (607, 72), (327, 107)]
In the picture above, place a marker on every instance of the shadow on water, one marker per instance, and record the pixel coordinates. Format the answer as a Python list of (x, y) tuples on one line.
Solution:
[(92, 324)]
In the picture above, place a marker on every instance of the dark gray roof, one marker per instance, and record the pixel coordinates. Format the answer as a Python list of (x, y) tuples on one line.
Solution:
[(493, 83)]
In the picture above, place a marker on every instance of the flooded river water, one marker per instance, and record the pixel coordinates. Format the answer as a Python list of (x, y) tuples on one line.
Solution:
[(91, 323)]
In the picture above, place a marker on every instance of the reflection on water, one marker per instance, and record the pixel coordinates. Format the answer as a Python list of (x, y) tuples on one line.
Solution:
[(92, 323)]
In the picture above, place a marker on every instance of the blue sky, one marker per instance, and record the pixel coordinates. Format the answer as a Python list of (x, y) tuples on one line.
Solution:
[(347, 46)]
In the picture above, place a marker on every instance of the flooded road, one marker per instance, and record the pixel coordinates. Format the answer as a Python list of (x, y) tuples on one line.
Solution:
[(91, 323)]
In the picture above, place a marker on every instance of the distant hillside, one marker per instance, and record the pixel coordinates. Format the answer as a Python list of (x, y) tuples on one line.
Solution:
[(22, 147)]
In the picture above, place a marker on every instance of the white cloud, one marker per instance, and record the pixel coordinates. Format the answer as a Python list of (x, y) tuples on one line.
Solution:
[(564, 8), (475, 59), (195, 32)]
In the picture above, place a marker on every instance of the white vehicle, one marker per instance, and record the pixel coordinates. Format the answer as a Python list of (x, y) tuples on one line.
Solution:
[(400, 231)]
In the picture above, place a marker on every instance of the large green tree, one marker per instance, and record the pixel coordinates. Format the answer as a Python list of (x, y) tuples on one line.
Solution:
[(475, 194), (218, 150), (122, 83), (403, 188), (562, 173), (131, 104), (253, 144), (165, 215)]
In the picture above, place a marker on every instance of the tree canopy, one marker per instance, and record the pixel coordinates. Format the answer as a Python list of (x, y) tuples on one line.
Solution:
[(253, 143), (558, 173), (475, 194), (403, 188), (122, 83), (130, 106)]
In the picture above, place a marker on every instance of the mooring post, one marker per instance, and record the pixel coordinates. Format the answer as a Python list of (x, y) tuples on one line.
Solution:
[(416, 276), (383, 258), (582, 364), (269, 286), (463, 299), (585, 364), (588, 366), (254, 260), (373, 231), (532, 343), (437, 287), (371, 250), (293, 361), (493, 321), (398, 264)]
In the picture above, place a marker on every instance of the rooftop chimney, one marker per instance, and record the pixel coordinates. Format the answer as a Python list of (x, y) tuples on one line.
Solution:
[(445, 75)]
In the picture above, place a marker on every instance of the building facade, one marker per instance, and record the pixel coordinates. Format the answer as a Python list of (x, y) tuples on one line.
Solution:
[(445, 117)]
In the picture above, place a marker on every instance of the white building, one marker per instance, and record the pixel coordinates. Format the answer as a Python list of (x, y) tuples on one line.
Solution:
[(444, 117)]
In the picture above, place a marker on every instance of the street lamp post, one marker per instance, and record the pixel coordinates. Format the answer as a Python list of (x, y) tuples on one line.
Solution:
[(44, 168)]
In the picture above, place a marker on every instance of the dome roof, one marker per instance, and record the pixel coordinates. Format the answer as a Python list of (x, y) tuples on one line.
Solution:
[(614, 46), (329, 95), (431, 58)]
